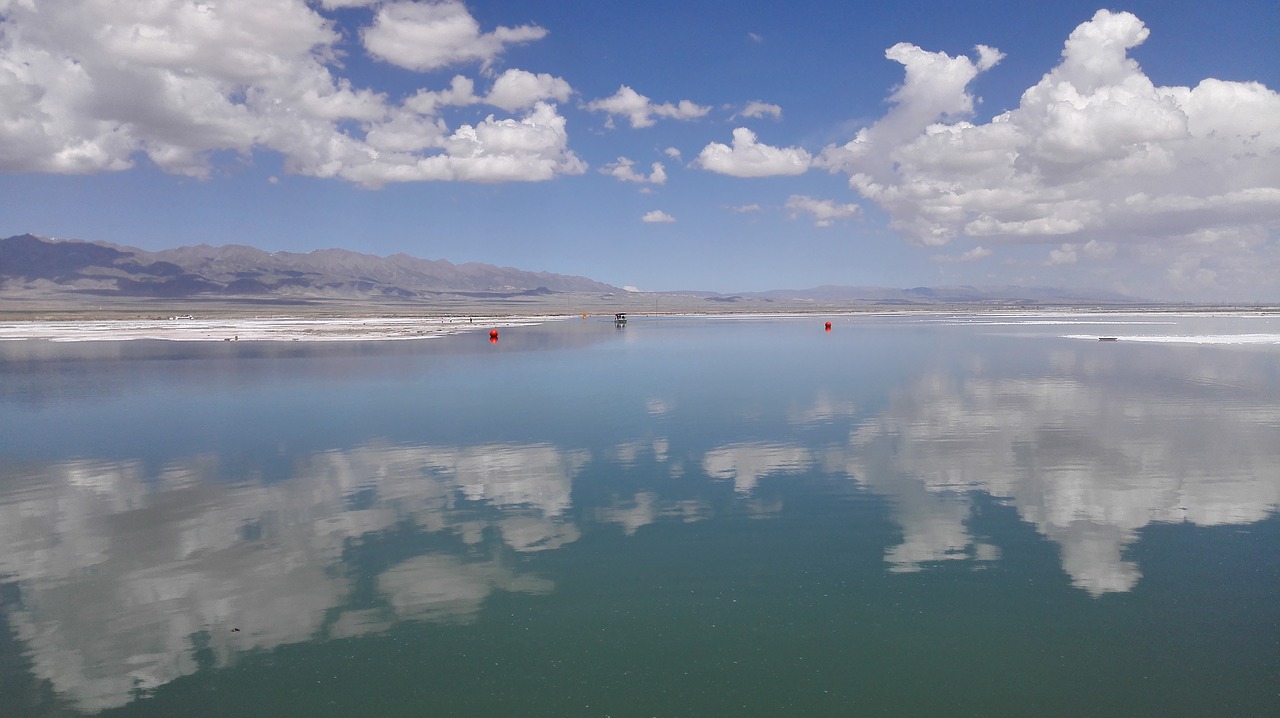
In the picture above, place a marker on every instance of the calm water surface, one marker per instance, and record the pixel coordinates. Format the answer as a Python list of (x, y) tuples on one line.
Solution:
[(929, 515)]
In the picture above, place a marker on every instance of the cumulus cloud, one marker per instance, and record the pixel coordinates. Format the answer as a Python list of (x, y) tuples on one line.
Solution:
[(935, 87), (429, 35), (512, 90), (640, 110), (657, 215), (823, 211), (756, 108), (749, 158), (624, 170), (673, 153), (461, 92), (532, 148), (518, 89), (1094, 152), (99, 85), (745, 208)]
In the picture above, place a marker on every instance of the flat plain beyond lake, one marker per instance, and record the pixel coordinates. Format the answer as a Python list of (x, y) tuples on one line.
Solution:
[(934, 513)]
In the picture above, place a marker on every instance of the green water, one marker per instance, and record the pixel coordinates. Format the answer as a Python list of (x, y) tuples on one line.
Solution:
[(921, 515)]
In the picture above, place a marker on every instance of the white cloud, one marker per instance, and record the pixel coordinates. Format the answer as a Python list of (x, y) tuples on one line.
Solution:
[(657, 215), (512, 90), (403, 132), (755, 37), (87, 87), (518, 89), (673, 153), (96, 86), (640, 110), (1070, 253), (429, 35), (624, 170), (682, 110), (744, 208), (823, 211), (461, 92), (935, 87), (532, 148), (749, 158), (972, 255), (1066, 254), (756, 108), (1094, 153)]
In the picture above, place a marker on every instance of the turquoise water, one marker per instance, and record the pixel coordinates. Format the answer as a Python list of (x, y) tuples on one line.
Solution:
[(921, 515)]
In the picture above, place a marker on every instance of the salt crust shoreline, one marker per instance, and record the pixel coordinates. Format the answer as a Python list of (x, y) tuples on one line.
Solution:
[(279, 329), (312, 329)]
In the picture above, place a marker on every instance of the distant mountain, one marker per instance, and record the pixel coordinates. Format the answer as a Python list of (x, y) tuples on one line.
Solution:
[(36, 265), (32, 266), (920, 296)]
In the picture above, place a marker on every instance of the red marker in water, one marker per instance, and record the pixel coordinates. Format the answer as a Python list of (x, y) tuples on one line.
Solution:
[(828, 326)]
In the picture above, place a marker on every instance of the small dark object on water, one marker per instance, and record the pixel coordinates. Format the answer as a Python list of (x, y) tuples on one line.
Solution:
[(1107, 339), (235, 630)]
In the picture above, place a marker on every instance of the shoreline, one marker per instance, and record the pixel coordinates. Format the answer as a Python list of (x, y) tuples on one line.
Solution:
[(257, 329), (375, 327), (24, 308)]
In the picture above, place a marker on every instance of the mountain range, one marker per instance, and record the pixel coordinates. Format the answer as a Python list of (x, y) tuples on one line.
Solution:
[(960, 294), (29, 263), (34, 266)]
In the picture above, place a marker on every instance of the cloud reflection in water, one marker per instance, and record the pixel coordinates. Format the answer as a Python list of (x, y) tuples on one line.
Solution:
[(1088, 463), (119, 568), (121, 564)]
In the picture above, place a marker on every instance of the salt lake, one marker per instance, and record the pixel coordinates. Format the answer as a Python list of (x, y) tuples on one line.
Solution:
[(915, 514)]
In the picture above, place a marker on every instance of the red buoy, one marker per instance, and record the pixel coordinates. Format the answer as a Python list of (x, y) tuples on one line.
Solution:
[(493, 333), (828, 326)]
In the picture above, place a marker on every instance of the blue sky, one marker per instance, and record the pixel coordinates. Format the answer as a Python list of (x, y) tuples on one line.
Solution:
[(1135, 148)]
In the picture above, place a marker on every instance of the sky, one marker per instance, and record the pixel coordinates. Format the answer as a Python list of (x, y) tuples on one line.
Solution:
[(666, 145)]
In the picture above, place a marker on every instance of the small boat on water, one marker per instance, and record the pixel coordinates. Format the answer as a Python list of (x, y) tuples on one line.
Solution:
[(1108, 339)]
